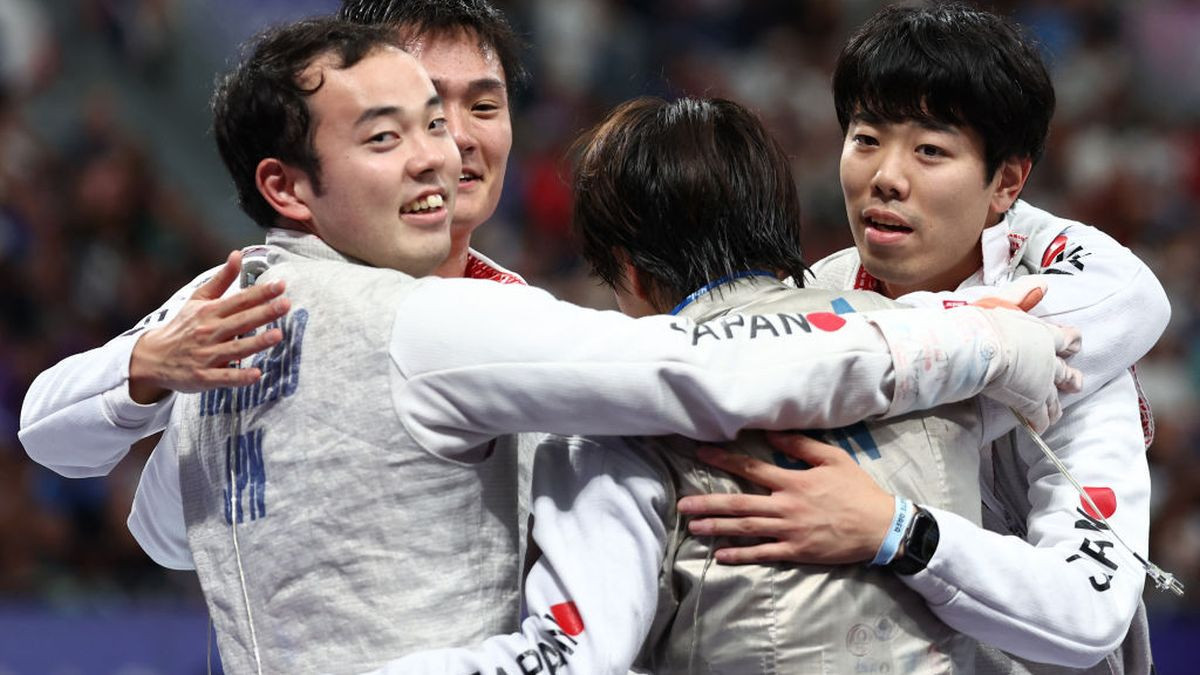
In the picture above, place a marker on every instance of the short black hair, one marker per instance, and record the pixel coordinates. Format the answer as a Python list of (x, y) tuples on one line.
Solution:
[(260, 109), (447, 18), (952, 64), (692, 191)]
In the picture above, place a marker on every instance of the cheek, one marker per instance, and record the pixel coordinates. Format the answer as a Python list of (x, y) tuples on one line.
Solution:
[(852, 174), (499, 142)]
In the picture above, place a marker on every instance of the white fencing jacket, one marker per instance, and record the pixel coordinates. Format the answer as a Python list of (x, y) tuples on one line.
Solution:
[(1041, 582)]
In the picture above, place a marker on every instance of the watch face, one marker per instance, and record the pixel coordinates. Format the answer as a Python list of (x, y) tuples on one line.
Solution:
[(929, 538), (920, 546)]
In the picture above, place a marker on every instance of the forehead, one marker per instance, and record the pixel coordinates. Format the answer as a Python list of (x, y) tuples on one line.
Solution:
[(385, 77), (457, 56)]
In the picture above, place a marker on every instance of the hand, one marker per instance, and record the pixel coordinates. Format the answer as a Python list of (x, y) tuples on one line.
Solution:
[(1021, 295), (1029, 372), (192, 351), (833, 513)]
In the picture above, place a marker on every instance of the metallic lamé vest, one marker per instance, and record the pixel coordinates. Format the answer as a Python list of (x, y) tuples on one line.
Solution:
[(356, 545), (789, 619)]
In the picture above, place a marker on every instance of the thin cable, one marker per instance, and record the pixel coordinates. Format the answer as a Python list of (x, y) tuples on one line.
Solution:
[(208, 643), (234, 443), (708, 560), (1163, 580)]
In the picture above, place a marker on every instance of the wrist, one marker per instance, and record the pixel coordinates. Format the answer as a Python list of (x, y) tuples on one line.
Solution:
[(143, 389), (893, 538), (918, 544)]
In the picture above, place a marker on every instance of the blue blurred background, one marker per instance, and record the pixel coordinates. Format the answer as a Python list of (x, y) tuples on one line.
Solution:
[(112, 196)]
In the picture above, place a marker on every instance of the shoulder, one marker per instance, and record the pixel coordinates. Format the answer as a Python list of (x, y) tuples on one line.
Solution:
[(1046, 235), (835, 271)]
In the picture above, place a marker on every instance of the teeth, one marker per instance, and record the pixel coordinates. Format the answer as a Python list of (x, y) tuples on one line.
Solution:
[(424, 204), (889, 225)]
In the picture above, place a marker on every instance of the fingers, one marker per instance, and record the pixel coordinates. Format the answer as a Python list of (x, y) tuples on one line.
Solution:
[(222, 280), (1067, 340), (744, 466), (755, 526), (773, 551), (236, 350), (727, 505), (1032, 298), (215, 378), (251, 319), (1021, 295), (1038, 417), (996, 303), (1068, 380), (805, 448), (1053, 411), (259, 294)]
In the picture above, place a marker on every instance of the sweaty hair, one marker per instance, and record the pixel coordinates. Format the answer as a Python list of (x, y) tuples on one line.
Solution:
[(260, 109), (692, 191), (447, 18), (948, 64)]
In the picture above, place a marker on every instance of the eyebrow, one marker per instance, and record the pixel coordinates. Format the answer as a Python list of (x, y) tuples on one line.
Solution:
[(392, 110), (476, 87), (924, 122)]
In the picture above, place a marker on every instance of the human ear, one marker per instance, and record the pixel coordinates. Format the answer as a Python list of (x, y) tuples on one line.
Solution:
[(1009, 181), (285, 188), (633, 290)]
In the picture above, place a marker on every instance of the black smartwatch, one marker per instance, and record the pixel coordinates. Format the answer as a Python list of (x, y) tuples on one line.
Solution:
[(918, 545)]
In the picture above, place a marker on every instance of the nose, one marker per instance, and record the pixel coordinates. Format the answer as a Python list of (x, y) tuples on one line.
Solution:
[(429, 154), (890, 180), (456, 122)]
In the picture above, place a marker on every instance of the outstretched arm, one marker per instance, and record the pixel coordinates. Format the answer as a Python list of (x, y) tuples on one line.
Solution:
[(591, 595), (1092, 283), (509, 359), (80, 416)]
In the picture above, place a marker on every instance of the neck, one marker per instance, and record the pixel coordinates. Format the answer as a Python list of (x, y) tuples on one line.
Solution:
[(455, 265), (947, 281)]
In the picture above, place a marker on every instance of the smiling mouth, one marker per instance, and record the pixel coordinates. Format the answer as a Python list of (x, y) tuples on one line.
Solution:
[(468, 176), (886, 227), (424, 204)]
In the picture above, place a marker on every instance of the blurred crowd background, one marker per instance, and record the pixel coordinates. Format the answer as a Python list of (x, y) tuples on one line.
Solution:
[(112, 196)]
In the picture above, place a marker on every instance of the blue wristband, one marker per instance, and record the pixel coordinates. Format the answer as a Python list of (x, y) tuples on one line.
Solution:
[(895, 533)]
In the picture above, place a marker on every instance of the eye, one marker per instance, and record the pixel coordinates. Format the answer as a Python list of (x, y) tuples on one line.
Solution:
[(864, 139), (384, 137), (438, 124), (485, 107), (927, 150)]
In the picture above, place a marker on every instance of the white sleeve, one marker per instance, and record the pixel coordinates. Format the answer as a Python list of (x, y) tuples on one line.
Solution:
[(77, 417), (1093, 284), (156, 519), (505, 359), (1067, 593), (591, 595)]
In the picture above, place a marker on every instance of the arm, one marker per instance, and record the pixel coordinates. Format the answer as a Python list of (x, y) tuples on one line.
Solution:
[(1092, 282), (156, 519), (591, 595), (1070, 608), (80, 416), (512, 359)]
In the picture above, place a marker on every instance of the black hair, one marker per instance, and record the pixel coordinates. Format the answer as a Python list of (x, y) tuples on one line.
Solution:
[(950, 64), (444, 18), (691, 191), (260, 109)]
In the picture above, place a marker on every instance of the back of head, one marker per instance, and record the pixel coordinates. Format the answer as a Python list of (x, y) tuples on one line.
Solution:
[(260, 109), (952, 64), (442, 18), (692, 191)]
